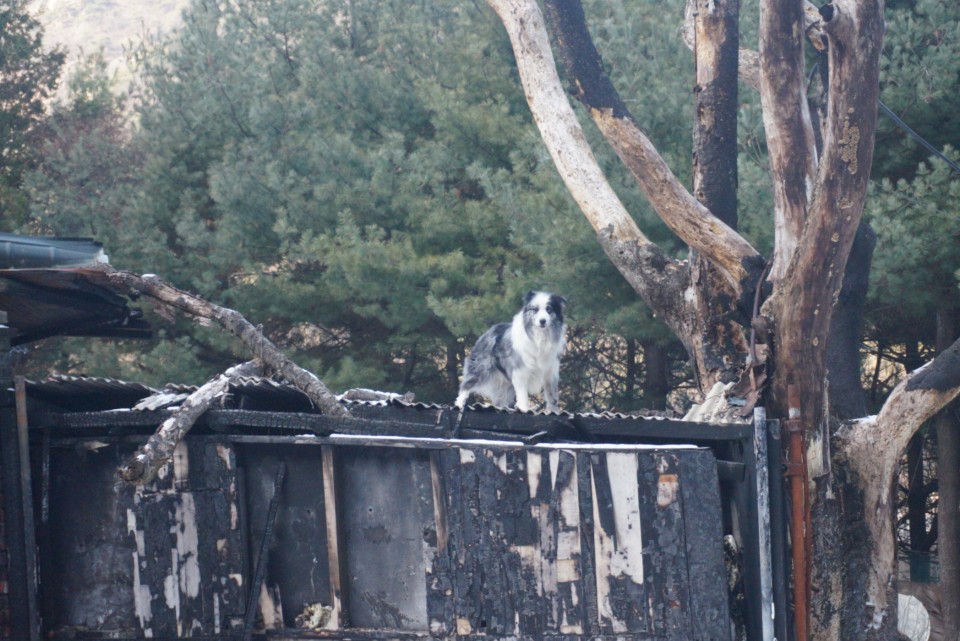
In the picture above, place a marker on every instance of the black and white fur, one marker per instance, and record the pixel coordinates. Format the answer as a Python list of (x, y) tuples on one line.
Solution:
[(513, 360)]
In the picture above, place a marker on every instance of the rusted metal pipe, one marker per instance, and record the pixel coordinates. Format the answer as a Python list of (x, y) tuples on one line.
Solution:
[(800, 540)]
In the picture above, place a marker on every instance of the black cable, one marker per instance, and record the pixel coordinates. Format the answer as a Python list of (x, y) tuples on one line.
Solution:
[(895, 118)]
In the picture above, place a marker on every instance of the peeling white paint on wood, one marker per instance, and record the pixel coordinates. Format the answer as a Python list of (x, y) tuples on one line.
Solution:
[(170, 592), (187, 546), (618, 553), (624, 487), (224, 453), (141, 598), (534, 464), (667, 488), (137, 533)]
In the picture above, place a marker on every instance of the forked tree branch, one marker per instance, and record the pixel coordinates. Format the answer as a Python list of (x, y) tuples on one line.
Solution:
[(159, 448), (654, 275), (693, 223), (791, 145), (143, 466)]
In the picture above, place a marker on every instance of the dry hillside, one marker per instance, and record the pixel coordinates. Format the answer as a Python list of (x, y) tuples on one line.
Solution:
[(86, 26)]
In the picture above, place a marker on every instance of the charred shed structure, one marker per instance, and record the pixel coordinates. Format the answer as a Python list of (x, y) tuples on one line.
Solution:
[(401, 521), (405, 521)]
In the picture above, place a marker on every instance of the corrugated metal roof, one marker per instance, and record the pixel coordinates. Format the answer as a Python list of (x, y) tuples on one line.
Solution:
[(79, 393)]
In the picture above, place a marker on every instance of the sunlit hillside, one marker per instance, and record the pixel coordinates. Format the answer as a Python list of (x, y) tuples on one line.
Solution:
[(86, 26)]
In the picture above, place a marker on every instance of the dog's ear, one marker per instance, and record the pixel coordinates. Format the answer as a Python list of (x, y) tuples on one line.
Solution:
[(558, 301), (529, 297)]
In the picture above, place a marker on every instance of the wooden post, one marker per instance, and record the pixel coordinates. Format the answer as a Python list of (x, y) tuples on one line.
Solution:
[(15, 598), (26, 495), (797, 473), (338, 618)]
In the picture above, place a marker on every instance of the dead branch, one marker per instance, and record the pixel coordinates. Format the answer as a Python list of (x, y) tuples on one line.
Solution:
[(158, 450), (651, 272), (873, 446), (693, 223), (259, 345)]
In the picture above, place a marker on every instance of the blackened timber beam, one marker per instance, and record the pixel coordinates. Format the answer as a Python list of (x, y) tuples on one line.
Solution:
[(14, 563), (26, 494), (261, 570), (414, 422)]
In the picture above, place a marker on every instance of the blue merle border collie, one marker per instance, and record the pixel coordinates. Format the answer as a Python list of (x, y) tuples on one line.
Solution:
[(513, 360)]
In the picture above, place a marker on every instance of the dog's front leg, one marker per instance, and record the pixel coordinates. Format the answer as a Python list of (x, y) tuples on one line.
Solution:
[(520, 389), (551, 393)]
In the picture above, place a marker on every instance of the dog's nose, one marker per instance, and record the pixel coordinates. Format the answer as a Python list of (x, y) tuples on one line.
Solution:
[(543, 322)]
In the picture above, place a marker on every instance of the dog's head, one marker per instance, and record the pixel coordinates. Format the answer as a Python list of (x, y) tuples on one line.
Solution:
[(543, 309)]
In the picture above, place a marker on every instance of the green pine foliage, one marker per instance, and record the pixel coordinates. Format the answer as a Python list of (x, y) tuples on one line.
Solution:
[(916, 263), (28, 77), (920, 81)]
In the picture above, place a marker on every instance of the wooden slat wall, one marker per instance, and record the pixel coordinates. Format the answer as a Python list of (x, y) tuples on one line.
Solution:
[(500, 541)]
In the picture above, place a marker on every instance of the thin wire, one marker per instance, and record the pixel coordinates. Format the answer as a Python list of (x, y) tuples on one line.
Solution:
[(895, 118)]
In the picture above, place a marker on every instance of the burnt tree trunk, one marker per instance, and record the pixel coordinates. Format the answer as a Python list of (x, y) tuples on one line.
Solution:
[(656, 384), (917, 495), (848, 399), (716, 29), (948, 473)]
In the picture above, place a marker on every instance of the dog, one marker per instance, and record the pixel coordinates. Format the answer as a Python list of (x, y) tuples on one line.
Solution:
[(513, 360)]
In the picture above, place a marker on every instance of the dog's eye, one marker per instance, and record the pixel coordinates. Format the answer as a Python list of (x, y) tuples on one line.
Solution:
[(549, 309)]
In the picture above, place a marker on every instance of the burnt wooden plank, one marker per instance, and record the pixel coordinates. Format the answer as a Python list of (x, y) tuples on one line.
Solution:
[(263, 555), (460, 470), (439, 569), (664, 544), (413, 421), (299, 554), (618, 542), (585, 492), (510, 533), (29, 525), (700, 496), (567, 607), (159, 563), (334, 530), (213, 477), (385, 499), (497, 611), (523, 538), (91, 551)]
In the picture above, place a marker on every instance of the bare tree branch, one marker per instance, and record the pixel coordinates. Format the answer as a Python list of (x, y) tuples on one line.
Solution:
[(158, 450), (644, 265), (234, 322), (803, 302), (874, 445), (786, 118), (748, 68), (693, 223)]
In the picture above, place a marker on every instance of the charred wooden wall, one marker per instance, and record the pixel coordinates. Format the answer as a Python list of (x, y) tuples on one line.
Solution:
[(445, 540)]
